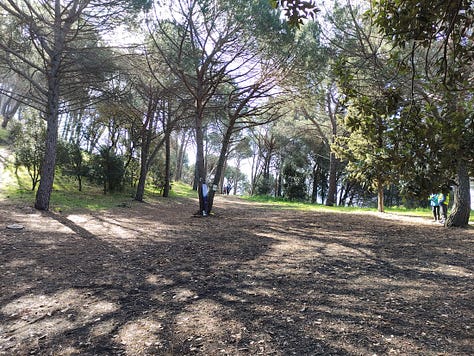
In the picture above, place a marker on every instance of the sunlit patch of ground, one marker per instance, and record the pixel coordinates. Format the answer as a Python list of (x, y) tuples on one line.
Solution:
[(154, 280)]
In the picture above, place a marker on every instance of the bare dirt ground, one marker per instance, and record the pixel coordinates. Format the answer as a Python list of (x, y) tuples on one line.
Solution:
[(151, 279)]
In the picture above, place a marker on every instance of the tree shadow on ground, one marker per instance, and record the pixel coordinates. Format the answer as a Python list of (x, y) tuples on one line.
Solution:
[(154, 280)]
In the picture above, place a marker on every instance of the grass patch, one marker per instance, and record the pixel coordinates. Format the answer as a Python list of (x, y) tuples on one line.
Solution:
[(69, 199), (182, 190), (66, 196), (421, 212), (280, 203)]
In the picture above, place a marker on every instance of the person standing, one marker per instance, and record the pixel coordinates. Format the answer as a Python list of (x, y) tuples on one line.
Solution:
[(433, 198), (205, 191), (443, 205)]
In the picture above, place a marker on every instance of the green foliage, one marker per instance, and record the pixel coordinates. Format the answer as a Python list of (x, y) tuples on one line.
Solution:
[(107, 168), (65, 196), (28, 139), (445, 26), (264, 186), (371, 147), (294, 183), (70, 160), (422, 20), (296, 10)]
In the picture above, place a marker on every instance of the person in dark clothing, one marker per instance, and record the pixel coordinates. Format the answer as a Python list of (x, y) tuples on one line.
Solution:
[(443, 205), (433, 198)]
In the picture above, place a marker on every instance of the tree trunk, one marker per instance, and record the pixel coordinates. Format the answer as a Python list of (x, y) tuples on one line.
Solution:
[(253, 174), (200, 168), (332, 189), (166, 189), (220, 165), (180, 156), (221, 180), (143, 167), (314, 193), (146, 138), (45, 188), (141, 181), (461, 210), (345, 194), (380, 197), (323, 181), (43, 195), (279, 185), (53, 78)]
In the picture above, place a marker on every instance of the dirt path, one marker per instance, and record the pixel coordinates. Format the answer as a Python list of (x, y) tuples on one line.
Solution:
[(151, 279)]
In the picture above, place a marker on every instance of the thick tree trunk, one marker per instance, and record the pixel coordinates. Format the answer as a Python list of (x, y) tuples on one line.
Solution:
[(53, 77), (43, 195), (141, 182), (200, 168), (461, 210)]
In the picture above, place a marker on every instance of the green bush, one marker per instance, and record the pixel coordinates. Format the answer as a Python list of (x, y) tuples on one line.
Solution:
[(28, 139), (294, 183), (107, 169)]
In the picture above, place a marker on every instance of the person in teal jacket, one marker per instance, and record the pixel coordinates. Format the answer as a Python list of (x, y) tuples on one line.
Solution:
[(433, 198)]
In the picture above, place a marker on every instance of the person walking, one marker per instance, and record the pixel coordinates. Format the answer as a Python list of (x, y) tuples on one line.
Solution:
[(433, 198)]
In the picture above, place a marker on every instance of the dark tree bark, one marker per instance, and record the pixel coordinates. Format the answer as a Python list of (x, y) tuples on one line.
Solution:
[(167, 138), (43, 195), (200, 167), (332, 187), (220, 165), (146, 140), (461, 210), (380, 196), (314, 193)]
